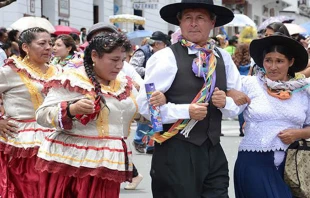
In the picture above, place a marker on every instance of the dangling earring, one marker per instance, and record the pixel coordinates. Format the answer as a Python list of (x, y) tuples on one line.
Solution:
[(93, 64)]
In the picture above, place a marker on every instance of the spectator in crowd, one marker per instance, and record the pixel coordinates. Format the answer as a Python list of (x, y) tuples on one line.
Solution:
[(63, 50), (232, 44), (76, 39), (5, 52), (83, 35), (276, 27), (3, 35), (13, 37)]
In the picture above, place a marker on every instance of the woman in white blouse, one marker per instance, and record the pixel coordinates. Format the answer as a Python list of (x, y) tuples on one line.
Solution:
[(277, 116)]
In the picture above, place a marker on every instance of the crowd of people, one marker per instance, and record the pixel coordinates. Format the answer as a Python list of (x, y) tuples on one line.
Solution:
[(68, 104)]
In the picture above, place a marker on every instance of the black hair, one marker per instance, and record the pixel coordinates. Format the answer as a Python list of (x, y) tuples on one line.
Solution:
[(12, 34), (68, 41), (278, 27), (27, 36), (82, 29), (2, 32), (103, 43), (74, 36), (6, 45), (282, 50)]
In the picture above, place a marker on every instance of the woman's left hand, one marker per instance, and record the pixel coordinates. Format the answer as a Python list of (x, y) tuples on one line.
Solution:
[(288, 136), (158, 99)]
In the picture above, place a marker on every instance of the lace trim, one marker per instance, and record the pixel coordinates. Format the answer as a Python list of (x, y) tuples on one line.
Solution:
[(119, 88), (67, 170), (251, 148), (17, 65), (18, 152)]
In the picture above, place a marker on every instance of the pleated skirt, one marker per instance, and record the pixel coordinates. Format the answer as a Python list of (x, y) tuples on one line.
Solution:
[(18, 177), (256, 176)]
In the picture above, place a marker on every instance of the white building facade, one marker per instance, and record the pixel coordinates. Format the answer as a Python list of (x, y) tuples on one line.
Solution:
[(84, 13)]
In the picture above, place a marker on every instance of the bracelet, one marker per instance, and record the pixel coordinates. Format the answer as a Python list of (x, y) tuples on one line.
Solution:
[(68, 110)]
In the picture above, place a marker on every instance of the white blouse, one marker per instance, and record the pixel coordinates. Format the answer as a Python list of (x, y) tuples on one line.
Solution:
[(267, 116)]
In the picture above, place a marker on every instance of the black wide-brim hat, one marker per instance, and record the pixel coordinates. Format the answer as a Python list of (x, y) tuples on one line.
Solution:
[(297, 51), (169, 12)]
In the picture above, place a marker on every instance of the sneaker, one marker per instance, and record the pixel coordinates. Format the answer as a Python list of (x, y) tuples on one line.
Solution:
[(139, 147), (135, 182)]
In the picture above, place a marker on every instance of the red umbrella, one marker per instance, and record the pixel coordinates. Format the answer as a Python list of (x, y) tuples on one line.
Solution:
[(61, 29)]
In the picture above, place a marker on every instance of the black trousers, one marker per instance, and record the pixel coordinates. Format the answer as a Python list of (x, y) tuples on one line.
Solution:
[(183, 170)]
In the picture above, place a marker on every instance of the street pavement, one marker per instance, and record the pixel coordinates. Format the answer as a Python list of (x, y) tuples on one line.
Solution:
[(229, 141)]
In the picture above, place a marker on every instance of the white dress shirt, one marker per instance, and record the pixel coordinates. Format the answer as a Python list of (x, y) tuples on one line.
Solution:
[(130, 71), (161, 70)]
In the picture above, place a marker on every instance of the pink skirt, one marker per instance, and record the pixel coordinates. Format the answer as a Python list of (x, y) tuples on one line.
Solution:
[(57, 185), (18, 177)]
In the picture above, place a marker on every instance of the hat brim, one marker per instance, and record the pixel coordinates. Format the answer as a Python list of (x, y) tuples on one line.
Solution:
[(169, 12), (299, 53)]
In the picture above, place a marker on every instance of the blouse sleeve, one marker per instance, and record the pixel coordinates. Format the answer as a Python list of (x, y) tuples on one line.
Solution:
[(307, 121), (53, 112), (5, 74)]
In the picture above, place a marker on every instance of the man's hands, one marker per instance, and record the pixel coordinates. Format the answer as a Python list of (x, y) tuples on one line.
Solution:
[(198, 111), (239, 97), (83, 106), (7, 129), (219, 98), (158, 99)]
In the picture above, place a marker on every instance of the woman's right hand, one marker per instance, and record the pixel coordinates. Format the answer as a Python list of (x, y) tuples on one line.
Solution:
[(7, 129), (82, 107)]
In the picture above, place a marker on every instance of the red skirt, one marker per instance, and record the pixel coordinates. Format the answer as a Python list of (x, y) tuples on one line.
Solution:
[(57, 185), (18, 177)]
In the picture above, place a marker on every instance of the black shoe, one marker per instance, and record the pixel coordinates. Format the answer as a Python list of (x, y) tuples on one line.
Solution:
[(222, 134), (151, 151), (139, 147), (241, 134)]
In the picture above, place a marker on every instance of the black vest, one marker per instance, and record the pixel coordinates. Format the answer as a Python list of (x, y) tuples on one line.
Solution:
[(184, 89)]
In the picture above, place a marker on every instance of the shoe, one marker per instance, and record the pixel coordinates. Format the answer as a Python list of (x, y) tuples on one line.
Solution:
[(222, 134), (151, 151), (241, 134), (135, 182), (139, 147)]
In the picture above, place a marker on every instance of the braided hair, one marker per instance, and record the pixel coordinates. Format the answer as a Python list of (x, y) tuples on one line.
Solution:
[(103, 43), (27, 36)]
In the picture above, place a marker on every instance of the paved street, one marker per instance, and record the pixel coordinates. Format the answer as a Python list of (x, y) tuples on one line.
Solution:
[(230, 144)]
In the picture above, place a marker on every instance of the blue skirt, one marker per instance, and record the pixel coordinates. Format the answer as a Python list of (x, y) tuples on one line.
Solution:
[(256, 176)]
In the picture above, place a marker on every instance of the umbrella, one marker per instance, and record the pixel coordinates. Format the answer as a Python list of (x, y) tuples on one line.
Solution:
[(127, 18), (281, 19), (241, 20), (137, 36), (30, 22), (307, 27), (294, 28), (61, 29)]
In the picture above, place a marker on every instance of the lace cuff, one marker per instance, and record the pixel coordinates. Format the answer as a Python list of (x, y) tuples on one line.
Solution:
[(65, 122)]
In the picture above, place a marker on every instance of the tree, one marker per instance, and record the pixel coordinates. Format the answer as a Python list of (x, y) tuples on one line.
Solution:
[(6, 2)]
